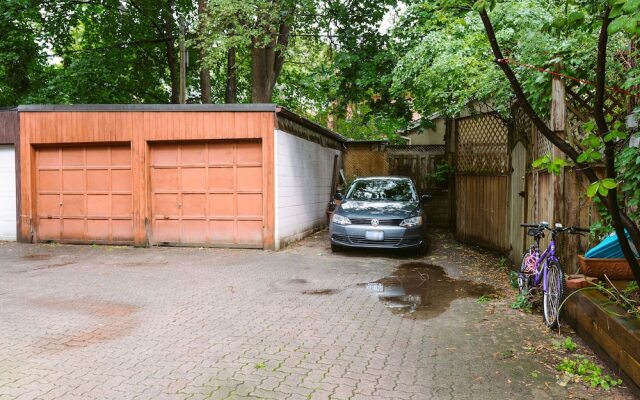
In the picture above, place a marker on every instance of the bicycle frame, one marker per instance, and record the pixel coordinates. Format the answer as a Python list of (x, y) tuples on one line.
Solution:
[(549, 254)]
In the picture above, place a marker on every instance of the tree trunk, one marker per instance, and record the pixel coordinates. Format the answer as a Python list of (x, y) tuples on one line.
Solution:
[(231, 88), (205, 75), (172, 61), (619, 218), (266, 65), (609, 150)]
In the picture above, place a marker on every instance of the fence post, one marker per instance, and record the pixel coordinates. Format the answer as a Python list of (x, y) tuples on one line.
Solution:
[(558, 125)]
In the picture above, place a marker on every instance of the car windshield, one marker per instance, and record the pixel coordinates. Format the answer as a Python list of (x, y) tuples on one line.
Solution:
[(382, 190)]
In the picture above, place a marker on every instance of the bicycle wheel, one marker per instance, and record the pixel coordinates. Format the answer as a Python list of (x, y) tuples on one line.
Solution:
[(553, 295), (524, 274)]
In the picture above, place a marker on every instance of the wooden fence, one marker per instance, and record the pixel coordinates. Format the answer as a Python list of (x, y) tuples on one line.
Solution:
[(551, 198)]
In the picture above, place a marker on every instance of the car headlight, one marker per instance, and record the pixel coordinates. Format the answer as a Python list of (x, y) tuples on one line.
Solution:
[(411, 222), (341, 220)]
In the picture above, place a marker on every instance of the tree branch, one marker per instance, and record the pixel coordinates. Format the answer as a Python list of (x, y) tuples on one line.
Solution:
[(618, 221), (610, 201)]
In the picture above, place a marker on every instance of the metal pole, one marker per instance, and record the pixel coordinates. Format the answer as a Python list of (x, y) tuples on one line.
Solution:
[(183, 66)]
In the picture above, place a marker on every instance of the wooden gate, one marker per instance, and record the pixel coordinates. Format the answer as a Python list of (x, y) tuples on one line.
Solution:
[(418, 162), (482, 181)]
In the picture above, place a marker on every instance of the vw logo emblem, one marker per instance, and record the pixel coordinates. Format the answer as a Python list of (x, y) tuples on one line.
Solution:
[(375, 222)]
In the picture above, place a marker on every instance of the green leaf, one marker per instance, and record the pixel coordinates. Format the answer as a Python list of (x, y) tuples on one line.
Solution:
[(540, 162), (609, 183), (593, 189), (575, 17), (631, 6), (603, 190), (583, 157), (617, 24)]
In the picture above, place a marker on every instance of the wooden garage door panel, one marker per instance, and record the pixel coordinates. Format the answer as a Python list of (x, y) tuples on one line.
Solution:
[(84, 193), (207, 192)]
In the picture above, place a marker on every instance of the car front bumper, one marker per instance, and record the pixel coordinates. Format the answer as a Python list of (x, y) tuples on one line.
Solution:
[(395, 237)]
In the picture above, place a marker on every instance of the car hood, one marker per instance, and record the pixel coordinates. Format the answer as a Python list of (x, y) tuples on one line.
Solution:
[(377, 209)]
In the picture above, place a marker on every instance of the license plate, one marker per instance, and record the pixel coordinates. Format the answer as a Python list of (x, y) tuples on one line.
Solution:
[(374, 235)]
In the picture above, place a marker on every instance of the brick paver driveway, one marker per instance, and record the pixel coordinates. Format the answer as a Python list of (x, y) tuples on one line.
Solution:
[(103, 322)]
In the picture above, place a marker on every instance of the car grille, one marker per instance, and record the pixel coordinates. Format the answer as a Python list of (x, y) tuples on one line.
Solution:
[(348, 239), (382, 222)]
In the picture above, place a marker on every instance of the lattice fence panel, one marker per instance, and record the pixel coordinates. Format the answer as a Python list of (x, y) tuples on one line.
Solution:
[(582, 98), (575, 133), (416, 148), (482, 145), (542, 145), (359, 162)]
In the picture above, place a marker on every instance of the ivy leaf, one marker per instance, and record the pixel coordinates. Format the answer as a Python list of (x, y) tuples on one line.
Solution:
[(603, 190), (583, 157), (593, 189), (609, 183)]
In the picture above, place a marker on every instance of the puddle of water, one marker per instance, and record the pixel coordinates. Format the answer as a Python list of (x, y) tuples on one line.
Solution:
[(423, 291), (320, 291)]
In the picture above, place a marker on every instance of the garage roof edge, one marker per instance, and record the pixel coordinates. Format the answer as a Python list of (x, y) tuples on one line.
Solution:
[(310, 124), (148, 107)]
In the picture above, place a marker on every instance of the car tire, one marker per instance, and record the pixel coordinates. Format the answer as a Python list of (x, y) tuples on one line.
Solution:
[(419, 251), (336, 248)]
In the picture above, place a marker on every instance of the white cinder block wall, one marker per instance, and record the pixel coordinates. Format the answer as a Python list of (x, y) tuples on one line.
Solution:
[(303, 171), (7, 193)]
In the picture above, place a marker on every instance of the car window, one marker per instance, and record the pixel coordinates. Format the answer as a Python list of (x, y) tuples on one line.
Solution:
[(382, 190)]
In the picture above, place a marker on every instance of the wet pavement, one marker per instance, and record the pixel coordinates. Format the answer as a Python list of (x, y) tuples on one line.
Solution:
[(424, 291), (102, 322)]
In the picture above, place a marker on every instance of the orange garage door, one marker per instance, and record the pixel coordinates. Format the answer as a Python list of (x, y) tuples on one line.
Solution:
[(207, 192), (84, 194)]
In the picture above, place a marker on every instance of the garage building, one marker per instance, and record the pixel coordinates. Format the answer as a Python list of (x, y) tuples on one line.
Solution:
[(251, 176), (9, 167)]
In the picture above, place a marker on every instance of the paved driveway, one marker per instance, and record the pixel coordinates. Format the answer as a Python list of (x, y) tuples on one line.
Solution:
[(106, 322)]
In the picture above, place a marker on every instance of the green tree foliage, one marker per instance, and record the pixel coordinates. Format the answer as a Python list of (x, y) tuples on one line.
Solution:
[(446, 62), (21, 66)]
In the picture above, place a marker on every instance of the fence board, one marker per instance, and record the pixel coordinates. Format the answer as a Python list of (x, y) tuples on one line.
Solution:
[(481, 204), (517, 201)]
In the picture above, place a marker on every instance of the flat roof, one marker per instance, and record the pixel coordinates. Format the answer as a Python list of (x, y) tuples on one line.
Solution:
[(257, 107), (392, 177), (148, 107)]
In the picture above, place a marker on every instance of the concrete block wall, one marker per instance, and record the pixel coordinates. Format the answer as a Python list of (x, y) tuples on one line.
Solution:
[(303, 172)]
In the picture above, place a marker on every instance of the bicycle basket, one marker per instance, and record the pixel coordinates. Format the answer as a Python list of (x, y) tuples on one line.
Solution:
[(535, 232)]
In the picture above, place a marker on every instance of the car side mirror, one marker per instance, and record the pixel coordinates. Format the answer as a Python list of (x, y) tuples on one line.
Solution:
[(425, 198), (338, 196)]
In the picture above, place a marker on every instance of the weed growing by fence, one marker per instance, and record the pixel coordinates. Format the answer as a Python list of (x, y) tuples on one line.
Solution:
[(581, 369)]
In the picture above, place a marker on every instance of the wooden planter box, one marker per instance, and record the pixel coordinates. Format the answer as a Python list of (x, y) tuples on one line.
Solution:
[(608, 329), (614, 268)]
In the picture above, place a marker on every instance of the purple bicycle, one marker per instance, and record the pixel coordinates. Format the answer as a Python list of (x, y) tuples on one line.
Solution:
[(544, 271)]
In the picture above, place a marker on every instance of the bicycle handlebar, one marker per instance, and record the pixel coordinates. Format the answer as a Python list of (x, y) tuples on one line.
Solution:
[(577, 229), (530, 226), (545, 226)]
